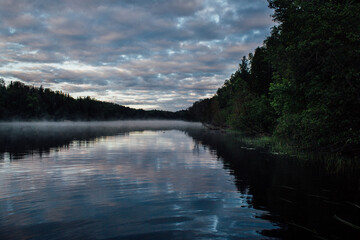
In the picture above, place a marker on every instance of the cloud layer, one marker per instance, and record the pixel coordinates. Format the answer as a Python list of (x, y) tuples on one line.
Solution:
[(162, 54)]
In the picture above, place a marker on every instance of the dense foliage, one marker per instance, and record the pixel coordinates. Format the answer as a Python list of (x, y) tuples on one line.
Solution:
[(243, 101), (303, 84), (22, 102)]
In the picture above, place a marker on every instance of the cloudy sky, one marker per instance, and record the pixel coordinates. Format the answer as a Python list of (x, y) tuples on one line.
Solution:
[(151, 54)]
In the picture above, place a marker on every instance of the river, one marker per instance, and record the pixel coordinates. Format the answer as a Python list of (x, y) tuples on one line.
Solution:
[(164, 180)]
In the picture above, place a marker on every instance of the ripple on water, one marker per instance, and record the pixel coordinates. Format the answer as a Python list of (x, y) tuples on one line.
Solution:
[(142, 185)]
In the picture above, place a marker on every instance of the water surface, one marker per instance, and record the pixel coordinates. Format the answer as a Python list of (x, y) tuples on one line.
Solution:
[(164, 180), (127, 184)]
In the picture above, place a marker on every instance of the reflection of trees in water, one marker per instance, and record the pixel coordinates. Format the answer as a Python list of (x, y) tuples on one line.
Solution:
[(40, 141), (241, 162), (301, 196), (196, 149), (20, 140)]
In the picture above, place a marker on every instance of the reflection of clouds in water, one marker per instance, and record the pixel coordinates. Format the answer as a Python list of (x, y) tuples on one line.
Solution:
[(129, 158), (126, 178)]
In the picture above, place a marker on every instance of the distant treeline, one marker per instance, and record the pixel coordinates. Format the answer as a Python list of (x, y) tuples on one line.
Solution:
[(303, 84), (23, 102)]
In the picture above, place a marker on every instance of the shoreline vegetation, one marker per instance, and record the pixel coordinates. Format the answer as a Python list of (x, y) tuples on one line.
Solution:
[(331, 162)]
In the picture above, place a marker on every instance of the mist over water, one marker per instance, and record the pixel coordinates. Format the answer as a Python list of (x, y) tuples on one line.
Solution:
[(19, 138), (126, 125)]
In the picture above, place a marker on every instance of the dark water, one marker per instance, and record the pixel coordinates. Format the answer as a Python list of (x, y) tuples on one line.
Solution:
[(165, 180)]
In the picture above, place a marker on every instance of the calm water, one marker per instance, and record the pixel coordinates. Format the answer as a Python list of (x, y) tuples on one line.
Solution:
[(163, 180)]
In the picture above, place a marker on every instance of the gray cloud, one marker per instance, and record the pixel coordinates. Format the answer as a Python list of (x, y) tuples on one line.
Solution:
[(161, 54)]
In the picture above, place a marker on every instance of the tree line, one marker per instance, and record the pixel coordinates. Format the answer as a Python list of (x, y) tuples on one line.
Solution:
[(23, 102), (303, 84)]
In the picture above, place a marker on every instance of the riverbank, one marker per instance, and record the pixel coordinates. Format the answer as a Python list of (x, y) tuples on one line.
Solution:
[(332, 162)]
